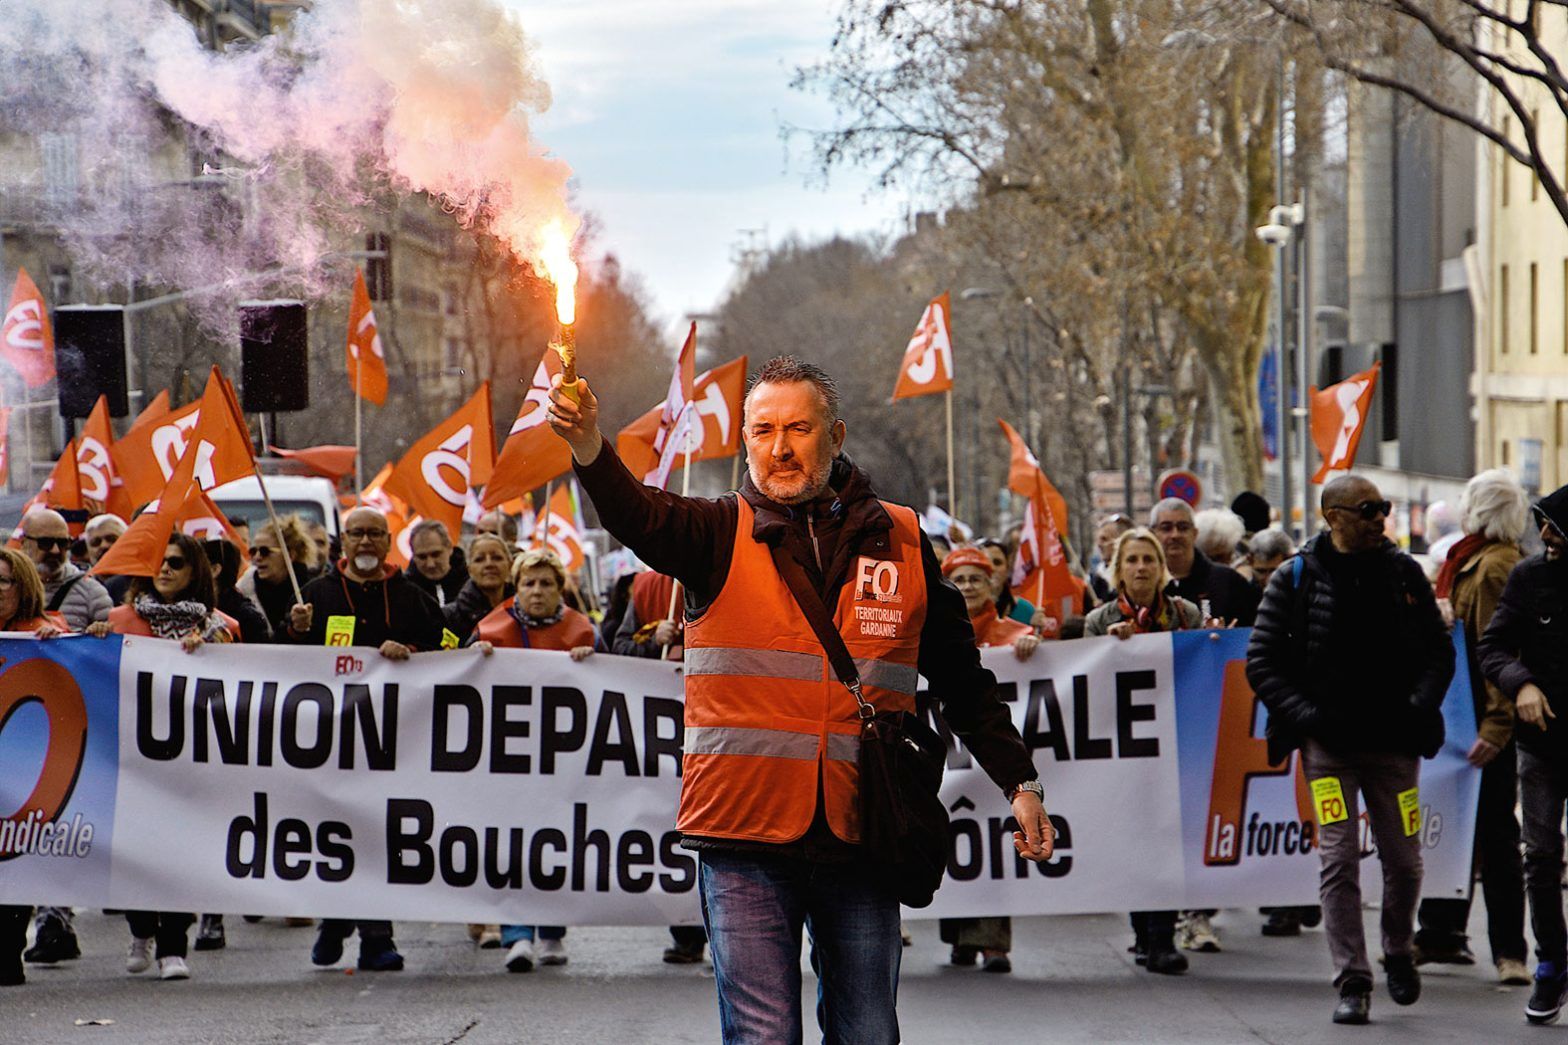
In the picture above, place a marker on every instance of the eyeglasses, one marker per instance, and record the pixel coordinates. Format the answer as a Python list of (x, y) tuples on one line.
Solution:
[(260, 551), (46, 543), (1174, 527), (1367, 510), (358, 534), (175, 563)]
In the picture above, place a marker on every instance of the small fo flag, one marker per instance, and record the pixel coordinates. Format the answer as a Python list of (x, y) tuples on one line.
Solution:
[(1339, 413), (928, 360)]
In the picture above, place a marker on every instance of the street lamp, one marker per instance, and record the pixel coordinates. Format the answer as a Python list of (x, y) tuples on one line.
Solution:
[(1281, 234)]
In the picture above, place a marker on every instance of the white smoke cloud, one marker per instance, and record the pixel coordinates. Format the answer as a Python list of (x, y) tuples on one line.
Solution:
[(359, 99)]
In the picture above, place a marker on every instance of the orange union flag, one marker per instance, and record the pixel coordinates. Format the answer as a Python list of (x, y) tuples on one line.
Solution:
[(719, 395), (364, 347), (1339, 413), (532, 454), (26, 340), (433, 478), (928, 361)]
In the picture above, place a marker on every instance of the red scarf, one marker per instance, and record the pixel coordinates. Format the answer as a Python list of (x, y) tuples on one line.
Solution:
[(1458, 555), (1158, 617)]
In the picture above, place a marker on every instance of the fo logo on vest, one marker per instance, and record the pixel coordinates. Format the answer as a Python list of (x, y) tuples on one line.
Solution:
[(877, 579)]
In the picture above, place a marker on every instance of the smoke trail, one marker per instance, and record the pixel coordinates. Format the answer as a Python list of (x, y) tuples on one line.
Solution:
[(315, 127)]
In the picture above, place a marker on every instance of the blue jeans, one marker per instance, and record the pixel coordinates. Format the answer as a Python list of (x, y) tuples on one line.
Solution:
[(510, 934), (754, 908)]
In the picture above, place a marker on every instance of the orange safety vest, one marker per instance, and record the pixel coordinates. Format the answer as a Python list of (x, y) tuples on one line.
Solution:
[(766, 718), (500, 628)]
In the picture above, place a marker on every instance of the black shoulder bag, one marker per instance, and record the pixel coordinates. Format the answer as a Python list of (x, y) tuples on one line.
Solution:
[(903, 824)]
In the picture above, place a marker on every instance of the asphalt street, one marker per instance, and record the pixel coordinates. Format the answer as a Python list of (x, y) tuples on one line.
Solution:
[(1073, 981)]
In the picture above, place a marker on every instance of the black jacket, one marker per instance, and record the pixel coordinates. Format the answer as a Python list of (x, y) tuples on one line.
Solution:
[(1219, 590), (692, 539), (1527, 642), (253, 623), (390, 608), (1350, 650), (464, 613)]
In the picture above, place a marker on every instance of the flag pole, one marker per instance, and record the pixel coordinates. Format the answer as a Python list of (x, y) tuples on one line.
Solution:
[(359, 451), (952, 488), (675, 589), (543, 515), (272, 513)]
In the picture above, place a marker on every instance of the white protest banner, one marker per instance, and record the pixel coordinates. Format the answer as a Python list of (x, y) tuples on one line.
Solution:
[(526, 788)]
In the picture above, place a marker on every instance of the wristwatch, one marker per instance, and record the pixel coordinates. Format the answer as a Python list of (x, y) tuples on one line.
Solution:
[(1033, 786)]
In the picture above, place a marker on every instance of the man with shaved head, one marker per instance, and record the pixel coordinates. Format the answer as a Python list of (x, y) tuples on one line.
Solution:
[(365, 602), (1351, 658)]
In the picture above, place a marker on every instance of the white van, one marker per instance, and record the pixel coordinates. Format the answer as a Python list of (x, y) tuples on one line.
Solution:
[(311, 497)]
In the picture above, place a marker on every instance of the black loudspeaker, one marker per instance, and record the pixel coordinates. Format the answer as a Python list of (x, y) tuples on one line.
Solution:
[(274, 357), (89, 358)]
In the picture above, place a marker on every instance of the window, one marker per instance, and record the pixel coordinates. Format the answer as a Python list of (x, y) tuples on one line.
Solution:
[(61, 174), (1533, 316), (1502, 310), (1502, 172)]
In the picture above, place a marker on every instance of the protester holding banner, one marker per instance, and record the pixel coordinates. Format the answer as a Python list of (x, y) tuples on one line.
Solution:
[(267, 581), (647, 629), (100, 534), (536, 618), (1144, 604), (770, 793), (1494, 512), (1216, 589), (1524, 653), (178, 603), (1352, 660), (489, 583)]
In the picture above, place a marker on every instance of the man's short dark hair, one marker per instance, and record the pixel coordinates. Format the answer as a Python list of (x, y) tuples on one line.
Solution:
[(787, 370)]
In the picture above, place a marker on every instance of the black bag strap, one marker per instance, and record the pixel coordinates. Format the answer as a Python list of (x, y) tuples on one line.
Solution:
[(61, 592), (821, 622)]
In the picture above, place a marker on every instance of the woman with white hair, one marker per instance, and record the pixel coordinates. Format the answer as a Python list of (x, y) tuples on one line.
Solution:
[(1493, 514)]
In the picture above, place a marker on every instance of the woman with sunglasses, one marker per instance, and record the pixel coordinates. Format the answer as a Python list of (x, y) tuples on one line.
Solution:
[(21, 610), (536, 618), (1139, 578), (179, 603), (268, 580)]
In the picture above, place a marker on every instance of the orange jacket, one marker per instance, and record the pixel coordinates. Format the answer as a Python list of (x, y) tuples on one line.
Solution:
[(991, 630), (500, 628), (124, 620), (766, 717)]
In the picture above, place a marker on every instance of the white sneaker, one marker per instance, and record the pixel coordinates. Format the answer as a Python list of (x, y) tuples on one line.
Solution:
[(552, 952), (173, 968), (1197, 934), (140, 957), (520, 957)]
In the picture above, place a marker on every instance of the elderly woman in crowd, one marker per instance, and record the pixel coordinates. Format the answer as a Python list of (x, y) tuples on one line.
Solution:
[(178, 603), (536, 618), (1493, 514), (1141, 605)]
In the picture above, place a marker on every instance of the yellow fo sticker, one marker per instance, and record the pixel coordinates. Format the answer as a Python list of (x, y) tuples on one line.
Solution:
[(340, 630), (1329, 801), (1410, 810), (449, 639)]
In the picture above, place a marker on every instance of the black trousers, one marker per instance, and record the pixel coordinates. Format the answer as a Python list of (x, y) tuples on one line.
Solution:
[(368, 930), (1443, 921), (1154, 930), (13, 937), (168, 928)]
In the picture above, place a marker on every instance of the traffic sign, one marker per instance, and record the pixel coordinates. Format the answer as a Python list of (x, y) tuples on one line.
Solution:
[(1178, 482)]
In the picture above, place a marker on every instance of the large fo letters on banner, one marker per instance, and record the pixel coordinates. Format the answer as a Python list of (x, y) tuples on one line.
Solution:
[(523, 787)]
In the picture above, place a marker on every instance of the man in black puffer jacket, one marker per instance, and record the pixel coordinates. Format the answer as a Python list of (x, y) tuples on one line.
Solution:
[(1350, 656), (1524, 653)]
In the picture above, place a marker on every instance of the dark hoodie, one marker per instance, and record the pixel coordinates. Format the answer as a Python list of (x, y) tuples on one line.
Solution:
[(692, 539), (1527, 639), (389, 608), (445, 590)]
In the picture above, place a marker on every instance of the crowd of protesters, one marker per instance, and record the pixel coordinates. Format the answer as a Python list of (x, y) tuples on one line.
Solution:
[(1349, 653)]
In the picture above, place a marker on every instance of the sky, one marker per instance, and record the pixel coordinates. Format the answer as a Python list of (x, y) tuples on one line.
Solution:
[(670, 113)]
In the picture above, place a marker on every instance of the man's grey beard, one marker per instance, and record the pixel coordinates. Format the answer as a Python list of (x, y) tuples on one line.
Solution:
[(366, 563), (816, 484)]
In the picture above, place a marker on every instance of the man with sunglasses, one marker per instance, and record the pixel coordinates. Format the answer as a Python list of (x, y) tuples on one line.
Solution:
[(1524, 653), (1351, 658), (81, 600)]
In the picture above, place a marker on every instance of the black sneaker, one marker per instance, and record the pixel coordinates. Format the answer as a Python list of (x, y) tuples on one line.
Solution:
[(1355, 1001), (1453, 952), (1282, 921), (683, 954), (210, 937), (1546, 999), (1167, 961), (328, 948), (11, 974), (964, 956), (54, 943), (1404, 983), (377, 955)]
